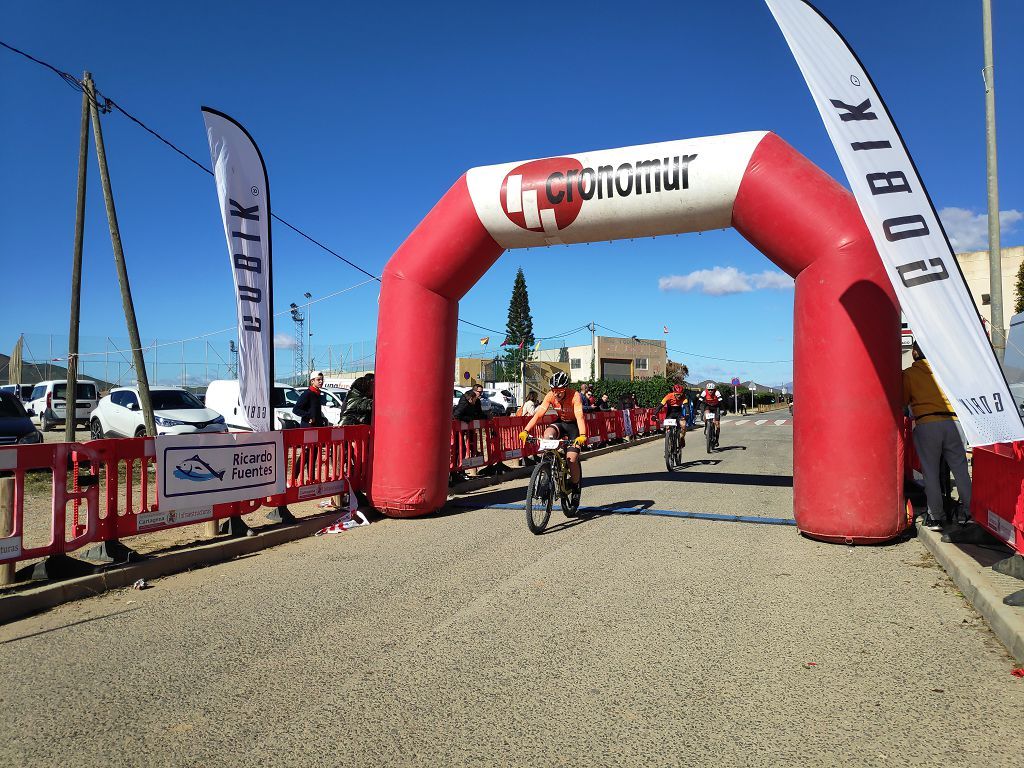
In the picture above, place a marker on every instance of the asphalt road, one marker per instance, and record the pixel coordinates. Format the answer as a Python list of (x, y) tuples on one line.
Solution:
[(461, 639)]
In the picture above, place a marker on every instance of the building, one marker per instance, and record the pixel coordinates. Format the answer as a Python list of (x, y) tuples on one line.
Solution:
[(975, 267), (611, 357)]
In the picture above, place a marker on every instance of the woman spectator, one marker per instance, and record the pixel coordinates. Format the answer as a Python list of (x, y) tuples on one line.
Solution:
[(529, 405)]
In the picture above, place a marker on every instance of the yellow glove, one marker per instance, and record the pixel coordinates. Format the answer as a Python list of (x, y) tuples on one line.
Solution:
[(581, 440), (524, 435)]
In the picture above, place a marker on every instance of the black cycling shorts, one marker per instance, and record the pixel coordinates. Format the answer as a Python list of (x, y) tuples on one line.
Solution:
[(568, 430)]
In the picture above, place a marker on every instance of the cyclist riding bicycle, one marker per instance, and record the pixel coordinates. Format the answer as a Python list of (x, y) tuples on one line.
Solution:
[(566, 402), (711, 400), (674, 403)]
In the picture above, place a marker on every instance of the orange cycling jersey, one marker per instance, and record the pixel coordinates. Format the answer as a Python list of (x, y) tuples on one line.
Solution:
[(673, 400), (569, 408)]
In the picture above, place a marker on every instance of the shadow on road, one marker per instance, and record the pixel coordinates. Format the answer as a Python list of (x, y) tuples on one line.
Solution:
[(723, 448), (723, 478)]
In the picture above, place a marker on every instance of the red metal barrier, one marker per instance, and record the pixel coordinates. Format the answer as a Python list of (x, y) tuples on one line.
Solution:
[(997, 491)]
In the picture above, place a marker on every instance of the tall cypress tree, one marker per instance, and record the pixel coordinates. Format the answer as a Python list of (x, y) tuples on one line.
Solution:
[(518, 328), (1019, 306)]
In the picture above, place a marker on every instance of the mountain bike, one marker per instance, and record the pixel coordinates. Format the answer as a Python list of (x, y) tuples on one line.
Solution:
[(710, 432), (673, 445), (550, 477)]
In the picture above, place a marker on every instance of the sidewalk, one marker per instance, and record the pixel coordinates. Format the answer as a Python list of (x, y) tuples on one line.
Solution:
[(969, 565)]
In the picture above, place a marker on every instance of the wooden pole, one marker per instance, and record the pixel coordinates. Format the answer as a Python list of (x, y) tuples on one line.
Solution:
[(71, 400), (122, 269), (6, 525)]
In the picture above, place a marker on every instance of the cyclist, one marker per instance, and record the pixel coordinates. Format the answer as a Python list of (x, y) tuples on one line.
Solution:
[(711, 400), (674, 403), (567, 403)]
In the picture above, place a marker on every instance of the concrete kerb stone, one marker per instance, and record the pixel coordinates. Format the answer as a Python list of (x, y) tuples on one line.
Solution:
[(25, 602), (983, 588)]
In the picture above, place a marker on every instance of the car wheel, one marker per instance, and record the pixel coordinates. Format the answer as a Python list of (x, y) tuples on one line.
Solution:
[(140, 432), (96, 430), (44, 423)]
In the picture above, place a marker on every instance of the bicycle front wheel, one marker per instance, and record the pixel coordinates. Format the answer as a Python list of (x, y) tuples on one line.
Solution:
[(709, 434), (669, 451), (539, 496)]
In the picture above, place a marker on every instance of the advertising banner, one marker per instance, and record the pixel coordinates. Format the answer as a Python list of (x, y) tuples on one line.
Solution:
[(244, 194), (903, 224), (199, 470)]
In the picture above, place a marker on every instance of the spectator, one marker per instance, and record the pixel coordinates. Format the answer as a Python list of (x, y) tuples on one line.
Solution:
[(470, 405), (309, 407), (359, 403), (585, 397), (935, 437), (628, 402), (604, 404), (529, 405)]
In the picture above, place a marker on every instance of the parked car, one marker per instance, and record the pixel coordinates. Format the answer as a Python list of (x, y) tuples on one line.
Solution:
[(332, 402), (175, 411), (48, 402), (16, 428), (222, 396), (22, 391), (490, 408), (504, 398)]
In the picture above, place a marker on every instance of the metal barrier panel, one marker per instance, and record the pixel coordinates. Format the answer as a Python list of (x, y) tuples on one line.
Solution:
[(997, 492)]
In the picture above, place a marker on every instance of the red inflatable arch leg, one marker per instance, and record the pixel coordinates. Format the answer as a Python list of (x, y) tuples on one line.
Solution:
[(847, 486)]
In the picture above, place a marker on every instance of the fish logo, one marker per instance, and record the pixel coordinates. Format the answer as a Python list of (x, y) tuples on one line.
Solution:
[(197, 470)]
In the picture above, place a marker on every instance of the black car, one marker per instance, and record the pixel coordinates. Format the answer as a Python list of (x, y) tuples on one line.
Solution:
[(15, 425)]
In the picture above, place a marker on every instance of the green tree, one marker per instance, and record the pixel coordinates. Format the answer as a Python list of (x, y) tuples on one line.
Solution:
[(518, 328), (1019, 306)]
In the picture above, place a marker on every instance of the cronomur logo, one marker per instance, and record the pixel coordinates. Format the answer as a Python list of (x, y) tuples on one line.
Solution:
[(197, 470), (547, 195)]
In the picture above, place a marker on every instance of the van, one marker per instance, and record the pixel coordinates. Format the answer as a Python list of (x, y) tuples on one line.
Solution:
[(222, 396), (48, 403), (21, 391), (1013, 359)]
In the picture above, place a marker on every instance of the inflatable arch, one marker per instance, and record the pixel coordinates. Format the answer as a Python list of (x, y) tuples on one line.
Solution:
[(847, 478)]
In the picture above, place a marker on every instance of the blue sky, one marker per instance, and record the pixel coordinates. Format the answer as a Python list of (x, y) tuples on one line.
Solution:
[(366, 113)]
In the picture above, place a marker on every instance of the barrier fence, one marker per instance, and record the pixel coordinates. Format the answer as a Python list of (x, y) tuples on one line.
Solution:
[(106, 489), (997, 491)]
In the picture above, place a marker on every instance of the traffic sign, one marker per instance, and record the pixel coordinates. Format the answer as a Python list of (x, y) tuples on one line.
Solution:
[(735, 381)]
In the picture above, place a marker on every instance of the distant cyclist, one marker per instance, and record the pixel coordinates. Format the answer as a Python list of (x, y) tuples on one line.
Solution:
[(674, 403), (711, 400), (568, 404)]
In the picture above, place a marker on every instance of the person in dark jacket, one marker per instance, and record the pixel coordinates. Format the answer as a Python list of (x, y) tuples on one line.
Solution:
[(604, 404), (359, 403), (309, 408), (470, 406)]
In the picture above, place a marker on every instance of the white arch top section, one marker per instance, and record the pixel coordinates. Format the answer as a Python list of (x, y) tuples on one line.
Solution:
[(650, 189)]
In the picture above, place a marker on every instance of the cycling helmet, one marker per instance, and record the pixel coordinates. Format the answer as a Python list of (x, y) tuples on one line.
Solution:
[(678, 389), (709, 386), (559, 380)]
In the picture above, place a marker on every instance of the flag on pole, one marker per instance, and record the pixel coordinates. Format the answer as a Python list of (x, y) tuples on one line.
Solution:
[(244, 194), (521, 343), (664, 329), (485, 341), (506, 342), (536, 347)]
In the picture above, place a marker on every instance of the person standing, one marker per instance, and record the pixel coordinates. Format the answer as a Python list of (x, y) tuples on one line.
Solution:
[(936, 437), (359, 402), (309, 409)]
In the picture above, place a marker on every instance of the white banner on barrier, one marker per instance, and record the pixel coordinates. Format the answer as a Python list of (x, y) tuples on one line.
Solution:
[(199, 470), (903, 224)]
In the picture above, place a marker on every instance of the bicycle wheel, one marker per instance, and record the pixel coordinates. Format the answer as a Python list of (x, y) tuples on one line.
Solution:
[(709, 434), (571, 502), (669, 450), (678, 449), (539, 496)]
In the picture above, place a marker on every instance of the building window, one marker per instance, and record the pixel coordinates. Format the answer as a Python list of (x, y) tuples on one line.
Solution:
[(986, 299), (641, 363), (575, 363)]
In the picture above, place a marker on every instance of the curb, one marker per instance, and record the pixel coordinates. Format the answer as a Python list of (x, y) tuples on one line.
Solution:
[(983, 588), (17, 605)]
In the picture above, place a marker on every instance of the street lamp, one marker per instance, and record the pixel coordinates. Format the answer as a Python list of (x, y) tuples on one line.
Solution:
[(309, 319)]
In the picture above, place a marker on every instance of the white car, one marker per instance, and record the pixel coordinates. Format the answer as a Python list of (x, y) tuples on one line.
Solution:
[(489, 408), (175, 411), (503, 398), (48, 402), (222, 395)]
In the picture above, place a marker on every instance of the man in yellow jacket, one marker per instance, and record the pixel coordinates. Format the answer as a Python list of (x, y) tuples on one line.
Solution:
[(935, 438)]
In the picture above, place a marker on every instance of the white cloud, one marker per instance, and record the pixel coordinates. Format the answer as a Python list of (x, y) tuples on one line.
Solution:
[(968, 231), (721, 281), (284, 341)]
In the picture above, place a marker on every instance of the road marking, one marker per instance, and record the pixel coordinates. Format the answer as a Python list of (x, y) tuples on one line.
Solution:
[(780, 422), (742, 421), (759, 422)]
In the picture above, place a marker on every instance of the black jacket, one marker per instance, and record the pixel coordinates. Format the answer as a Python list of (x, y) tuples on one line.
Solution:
[(309, 409), (467, 411)]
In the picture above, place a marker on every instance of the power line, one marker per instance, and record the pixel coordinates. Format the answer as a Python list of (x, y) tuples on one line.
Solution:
[(694, 354)]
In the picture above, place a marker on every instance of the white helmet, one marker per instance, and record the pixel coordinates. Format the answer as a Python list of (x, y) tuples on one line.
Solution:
[(709, 386)]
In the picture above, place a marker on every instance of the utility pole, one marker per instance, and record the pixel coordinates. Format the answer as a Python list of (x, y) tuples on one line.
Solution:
[(309, 319), (995, 266), (122, 269), (71, 400), (593, 350)]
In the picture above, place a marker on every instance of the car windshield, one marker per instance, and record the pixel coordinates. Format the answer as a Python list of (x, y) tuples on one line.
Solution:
[(85, 391), (11, 407), (173, 400), (282, 397)]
